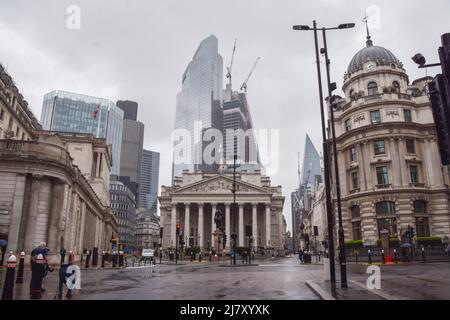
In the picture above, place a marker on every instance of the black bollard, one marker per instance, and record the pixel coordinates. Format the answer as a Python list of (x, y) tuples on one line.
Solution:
[(103, 259), (200, 257), (8, 286), (37, 274), (88, 257), (370, 256), (423, 255), (120, 259), (114, 260), (383, 260), (19, 278), (395, 256)]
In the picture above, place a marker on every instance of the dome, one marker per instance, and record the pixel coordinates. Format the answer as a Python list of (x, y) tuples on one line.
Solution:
[(372, 53)]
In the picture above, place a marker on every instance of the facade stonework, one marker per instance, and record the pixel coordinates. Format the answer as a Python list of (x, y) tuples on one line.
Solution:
[(390, 171), (195, 197), (45, 196)]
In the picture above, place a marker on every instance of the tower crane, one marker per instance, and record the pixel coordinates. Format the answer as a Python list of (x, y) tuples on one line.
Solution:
[(244, 85), (231, 64)]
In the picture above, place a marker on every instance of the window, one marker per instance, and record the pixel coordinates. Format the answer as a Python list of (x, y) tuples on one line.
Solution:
[(356, 212), (356, 228), (375, 117), (348, 125), (355, 180), (389, 224), (385, 208), (407, 114), (410, 146), (420, 207), (422, 227), (353, 154), (382, 176), (351, 94), (414, 174), (396, 87), (378, 147), (372, 88)]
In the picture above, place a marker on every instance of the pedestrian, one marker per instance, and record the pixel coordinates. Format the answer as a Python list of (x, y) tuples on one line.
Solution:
[(41, 249), (300, 255), (3, 245)]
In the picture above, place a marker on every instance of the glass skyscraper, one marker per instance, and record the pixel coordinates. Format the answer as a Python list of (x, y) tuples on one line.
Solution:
[(148, 184), (200, 99), (73, 112), (311, 164)]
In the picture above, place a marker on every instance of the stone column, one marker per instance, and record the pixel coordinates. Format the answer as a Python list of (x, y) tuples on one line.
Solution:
[(31, 219), (16, 214), (268, 225), (241, 225), (227, 226), (186, 228), (255, 225), (200, 225), (213, 224), (54, 224), (173, 225)]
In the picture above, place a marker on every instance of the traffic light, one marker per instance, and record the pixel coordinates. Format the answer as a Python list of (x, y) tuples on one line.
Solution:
[(161, 232), (178, 229), (224, 240), (440, 105)]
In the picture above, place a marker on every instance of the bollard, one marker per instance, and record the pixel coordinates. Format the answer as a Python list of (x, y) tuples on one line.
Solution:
[(370, 256), (120, 259), (382, 257), (21, 268), (88, 258), (8, 286), (71, 257), (160, 257), (423, 255), (103, 259), (395, 256), (114, 260), (37, 274)]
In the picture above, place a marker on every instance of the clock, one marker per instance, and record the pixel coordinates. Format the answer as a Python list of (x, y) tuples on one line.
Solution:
[(371, 66)]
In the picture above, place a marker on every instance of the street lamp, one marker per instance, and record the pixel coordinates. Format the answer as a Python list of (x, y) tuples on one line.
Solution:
[(331, 88), (233, 190)]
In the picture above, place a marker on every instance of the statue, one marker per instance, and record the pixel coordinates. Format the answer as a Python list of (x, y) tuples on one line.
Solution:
[(219, 220)]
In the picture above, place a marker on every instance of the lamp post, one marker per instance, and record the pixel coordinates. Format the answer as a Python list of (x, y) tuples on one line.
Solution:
[(234, 236), (331, 87)]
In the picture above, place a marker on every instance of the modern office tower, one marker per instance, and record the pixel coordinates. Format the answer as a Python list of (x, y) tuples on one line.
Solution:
[(311, 170), (238, 133), (149, 179), (130, 109), (123, 205), (199, 105), (132, 143), (72, 112)]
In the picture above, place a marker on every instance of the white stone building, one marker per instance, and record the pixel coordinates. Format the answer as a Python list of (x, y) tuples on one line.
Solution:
[(195, 197)]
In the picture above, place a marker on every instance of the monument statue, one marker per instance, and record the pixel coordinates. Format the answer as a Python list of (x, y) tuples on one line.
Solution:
[(219, 219)]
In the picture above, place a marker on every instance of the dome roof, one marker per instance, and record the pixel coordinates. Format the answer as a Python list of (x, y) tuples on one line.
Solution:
[(372, 53)]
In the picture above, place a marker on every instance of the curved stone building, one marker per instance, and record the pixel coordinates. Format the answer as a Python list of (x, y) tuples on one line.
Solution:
[(390, 171)]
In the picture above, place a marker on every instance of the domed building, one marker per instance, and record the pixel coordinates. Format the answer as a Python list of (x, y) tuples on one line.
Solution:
[(391, 176)]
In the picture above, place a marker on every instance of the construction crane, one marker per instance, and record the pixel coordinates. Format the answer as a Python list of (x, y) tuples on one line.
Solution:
[(244, 85), (231, 64)]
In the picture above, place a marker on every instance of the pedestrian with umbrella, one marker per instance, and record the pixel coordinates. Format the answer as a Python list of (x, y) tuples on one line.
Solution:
[(405, 251)]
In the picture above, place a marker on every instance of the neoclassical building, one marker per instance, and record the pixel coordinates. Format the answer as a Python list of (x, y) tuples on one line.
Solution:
[(195, 197), (46, 194), (390, 171)]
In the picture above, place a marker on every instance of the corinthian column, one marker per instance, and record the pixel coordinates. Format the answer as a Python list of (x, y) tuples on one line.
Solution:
[(213, 224), (268, 226), (187, 229), (255, 225), (200, 225), (173, 225), (241, 225), (32, 213), (54, 225)]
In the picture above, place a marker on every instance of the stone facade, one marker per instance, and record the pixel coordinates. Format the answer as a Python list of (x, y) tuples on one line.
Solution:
[(16, 119), (390, 171), (147, 229), (195, 197), (46, 196)]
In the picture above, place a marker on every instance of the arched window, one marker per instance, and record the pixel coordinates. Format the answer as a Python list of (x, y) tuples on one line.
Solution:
[(396, 87), (372, 88), (351, 93)]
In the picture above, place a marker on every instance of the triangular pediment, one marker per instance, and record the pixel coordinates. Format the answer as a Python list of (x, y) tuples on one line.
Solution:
[(221, 184)]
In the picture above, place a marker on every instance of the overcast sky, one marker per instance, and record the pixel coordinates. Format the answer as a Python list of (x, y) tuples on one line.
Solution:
[(138, 50)]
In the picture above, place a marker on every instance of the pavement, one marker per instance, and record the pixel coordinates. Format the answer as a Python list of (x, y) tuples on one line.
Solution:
[(270, 279)]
